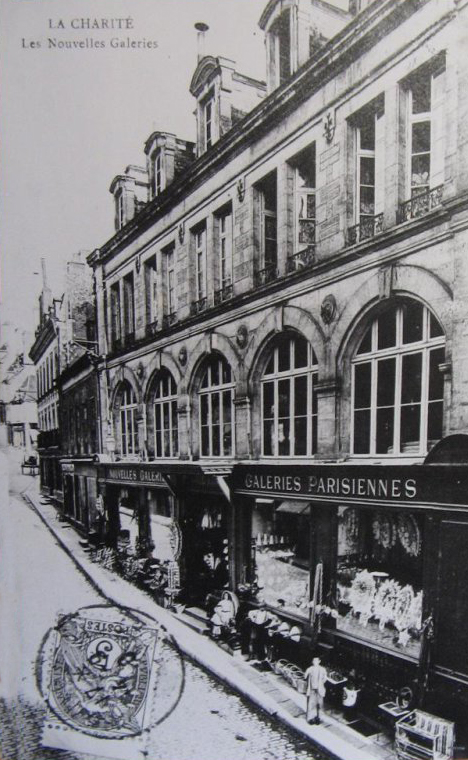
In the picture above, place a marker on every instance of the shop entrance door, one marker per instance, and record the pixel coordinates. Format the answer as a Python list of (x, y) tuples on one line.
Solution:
[(452, 633), (205, 542)]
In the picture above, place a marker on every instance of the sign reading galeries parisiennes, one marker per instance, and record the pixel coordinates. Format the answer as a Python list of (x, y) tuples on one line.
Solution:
[(413, 484)]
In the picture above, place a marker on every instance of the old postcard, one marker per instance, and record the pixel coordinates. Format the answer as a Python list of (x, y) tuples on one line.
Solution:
[(233, 403)]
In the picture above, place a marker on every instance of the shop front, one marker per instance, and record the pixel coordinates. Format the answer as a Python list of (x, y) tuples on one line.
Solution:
[(371, 559), (79, 478), (171, 514)]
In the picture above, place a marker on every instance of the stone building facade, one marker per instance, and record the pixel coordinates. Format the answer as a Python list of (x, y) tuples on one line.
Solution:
[(282, 332)]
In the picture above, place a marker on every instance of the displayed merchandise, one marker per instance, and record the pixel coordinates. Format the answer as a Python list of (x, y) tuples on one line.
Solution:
[(421, 735)]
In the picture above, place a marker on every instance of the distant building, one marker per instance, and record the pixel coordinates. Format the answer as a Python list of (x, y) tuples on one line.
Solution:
[(282, 333), (18, 411), (62, 335)]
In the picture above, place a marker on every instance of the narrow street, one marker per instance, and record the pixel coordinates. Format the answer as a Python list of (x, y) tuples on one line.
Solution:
[(38, 582)]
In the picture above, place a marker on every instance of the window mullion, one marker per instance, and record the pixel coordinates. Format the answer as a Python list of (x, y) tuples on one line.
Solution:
[(373, 409), (424, 402), (221, 423), (292, 419), (353, 411), (397, 413), (275, 417)]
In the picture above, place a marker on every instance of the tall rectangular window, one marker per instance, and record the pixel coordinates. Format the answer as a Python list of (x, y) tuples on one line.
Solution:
[(268, 223), (168, 255), (151, 281), (279, 40), (426, 129), (158, 177), (208, 117), (129, 305), (368, 129), (119, 210), (200, 262), (303, 166), (115, 312), (225, 248), (423, 101)]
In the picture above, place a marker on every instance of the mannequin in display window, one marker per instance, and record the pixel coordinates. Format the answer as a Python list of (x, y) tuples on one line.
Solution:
[(316, 676)]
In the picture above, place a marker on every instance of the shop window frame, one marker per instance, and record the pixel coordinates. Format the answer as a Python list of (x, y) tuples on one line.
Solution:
[(213, 393), (165, 402), (423, 347), (276, 377)]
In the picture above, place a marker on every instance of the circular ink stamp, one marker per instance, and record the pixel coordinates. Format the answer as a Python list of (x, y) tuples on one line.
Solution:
[(109, 672)]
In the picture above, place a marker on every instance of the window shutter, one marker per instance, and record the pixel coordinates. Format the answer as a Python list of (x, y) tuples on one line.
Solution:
[(379, 161), (437, 128)]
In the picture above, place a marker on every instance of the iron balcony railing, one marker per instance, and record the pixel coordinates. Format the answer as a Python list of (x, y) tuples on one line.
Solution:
[(420, 204), (169, 319), (223, 294), (266, 275), (368, 228), (302, 260), (196, 307), (151, 328)]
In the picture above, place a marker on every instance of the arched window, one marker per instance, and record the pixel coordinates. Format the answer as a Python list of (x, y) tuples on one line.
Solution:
[(127, 416), (216, 396), (397, 385), (163, 416), (289, 400)]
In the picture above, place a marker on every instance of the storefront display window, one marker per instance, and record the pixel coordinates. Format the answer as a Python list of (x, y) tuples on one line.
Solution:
[(379, 577), (281, 554), (206, 550), (128, 516), (161, 524)]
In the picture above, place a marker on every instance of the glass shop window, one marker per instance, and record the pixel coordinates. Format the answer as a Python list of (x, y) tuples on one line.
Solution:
[(398, 384), (379, 577), (281, 554)]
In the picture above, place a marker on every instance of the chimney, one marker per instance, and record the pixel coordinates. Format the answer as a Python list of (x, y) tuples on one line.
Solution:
[(201, 28)]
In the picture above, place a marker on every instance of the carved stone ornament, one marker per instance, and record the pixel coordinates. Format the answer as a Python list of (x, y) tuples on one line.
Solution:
[(241, 336), (140, 371), (329, 126), (240, 189), (138, 263), (183, 356), (328, 309), (181, 231)]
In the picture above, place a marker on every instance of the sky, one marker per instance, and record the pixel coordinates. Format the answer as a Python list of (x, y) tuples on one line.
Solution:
[(71, 119)]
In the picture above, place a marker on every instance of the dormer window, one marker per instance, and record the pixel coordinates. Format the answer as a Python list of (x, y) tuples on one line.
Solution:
[(208, 118), (119, 210), (158, 180), (280, 49)]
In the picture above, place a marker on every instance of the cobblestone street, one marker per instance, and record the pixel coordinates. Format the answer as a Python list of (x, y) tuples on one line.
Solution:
[(208, 716)]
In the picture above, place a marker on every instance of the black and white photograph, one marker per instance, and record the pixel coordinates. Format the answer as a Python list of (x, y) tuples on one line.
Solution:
[(234, 380)]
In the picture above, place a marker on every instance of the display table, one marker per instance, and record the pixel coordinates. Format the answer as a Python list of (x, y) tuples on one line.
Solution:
[(335, 683), (393, 712), (425, 736)]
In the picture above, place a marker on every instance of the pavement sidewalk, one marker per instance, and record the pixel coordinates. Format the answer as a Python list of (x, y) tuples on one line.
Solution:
[(265, 689)]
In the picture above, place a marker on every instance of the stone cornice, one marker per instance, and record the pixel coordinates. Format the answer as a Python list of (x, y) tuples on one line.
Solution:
[(43, 340)]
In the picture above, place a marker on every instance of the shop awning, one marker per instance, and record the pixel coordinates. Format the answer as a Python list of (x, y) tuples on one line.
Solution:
[(294, 507)]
